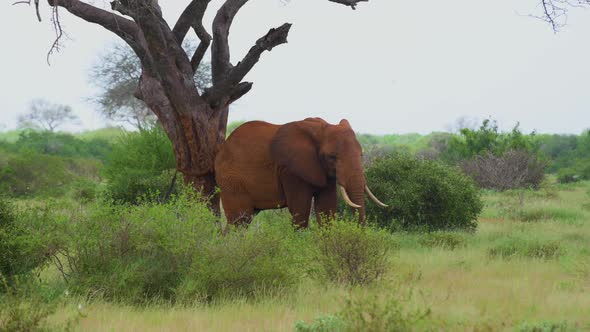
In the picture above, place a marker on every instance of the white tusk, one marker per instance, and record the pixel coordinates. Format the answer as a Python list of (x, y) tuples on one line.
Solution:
[(381, 204), (346, 198)]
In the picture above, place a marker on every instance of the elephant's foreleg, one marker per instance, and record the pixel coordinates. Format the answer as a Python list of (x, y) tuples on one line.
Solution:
[(326, 203), (298, 195)]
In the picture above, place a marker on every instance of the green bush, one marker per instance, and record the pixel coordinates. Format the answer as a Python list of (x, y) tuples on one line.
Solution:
[(141, 165), (328, 323), (547, 326), (526, 248), (262, 259), (167, 252), (352, 254), (422, 195), (18, 252), (371, 313), (444, 240), (568, 175)]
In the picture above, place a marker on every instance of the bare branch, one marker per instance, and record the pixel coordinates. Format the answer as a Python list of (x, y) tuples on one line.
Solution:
[(205, 38), (124, 28), (193, 17), (351, 3), (230, 82), (220, 54), (555, 12), (28, 2)]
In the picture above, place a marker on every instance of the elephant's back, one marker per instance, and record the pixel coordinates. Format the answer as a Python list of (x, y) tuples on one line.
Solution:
[(254, 131), (247, 146)]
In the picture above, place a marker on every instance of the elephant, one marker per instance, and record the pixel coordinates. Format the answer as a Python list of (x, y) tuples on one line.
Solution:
[(267, 166)]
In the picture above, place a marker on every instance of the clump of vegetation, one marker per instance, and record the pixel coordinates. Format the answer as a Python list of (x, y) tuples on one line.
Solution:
[(546, 326), (262, 259), (444, 240), (169, 252), (371, 313), (513, 169), (527, 248), (18, 256), (327, 323), (140, 166), (546, 213), (422, 195), (351, 254)]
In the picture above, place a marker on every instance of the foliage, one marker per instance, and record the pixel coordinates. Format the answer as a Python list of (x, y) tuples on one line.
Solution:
[(514, 246), (422, 194), (513, 169), (32, 174), (371, 313), (60, 144), (164, 252), (443, 240), (15, 257), (248, 262), (546, 326), (141, 165), (487, 139), (46, 116), (328, 323), (352, 254)]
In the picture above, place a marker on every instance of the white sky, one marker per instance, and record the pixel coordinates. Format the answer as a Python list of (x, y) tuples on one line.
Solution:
[(389, 67)]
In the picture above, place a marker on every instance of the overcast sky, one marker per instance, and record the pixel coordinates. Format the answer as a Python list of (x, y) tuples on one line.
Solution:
[(388, 67)]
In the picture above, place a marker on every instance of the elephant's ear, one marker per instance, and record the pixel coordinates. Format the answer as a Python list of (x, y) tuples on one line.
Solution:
[(296, 147)]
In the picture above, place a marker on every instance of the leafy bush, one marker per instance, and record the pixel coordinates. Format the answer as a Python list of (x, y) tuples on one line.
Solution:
[(352, 254), (259, 260), (141, 165), (568, 175), (170, 252), (328, 323), (422, 194), (547, 326), (444, 240), (61, 144), (528, 248), (371, 313), (17, 254), (26, 306), (513, 169)]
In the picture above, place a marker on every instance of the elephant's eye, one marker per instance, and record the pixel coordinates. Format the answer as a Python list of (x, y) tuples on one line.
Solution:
[(332, 157)]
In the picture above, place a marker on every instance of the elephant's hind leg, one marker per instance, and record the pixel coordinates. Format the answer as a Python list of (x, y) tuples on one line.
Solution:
[(239, 210)]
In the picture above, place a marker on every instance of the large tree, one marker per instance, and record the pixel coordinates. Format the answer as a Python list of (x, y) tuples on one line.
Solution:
[(195, 121)]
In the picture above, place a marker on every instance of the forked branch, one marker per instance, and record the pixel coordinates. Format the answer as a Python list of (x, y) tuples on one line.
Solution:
[(229, 86)]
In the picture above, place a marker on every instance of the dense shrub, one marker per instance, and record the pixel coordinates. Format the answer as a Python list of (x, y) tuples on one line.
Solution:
[(262, 259), (526, 248), (352, 254), (444, 240), (513, 169), (546, 326), (18, 252), (422, 194), (141, 164), (371, 313), (170, 252)]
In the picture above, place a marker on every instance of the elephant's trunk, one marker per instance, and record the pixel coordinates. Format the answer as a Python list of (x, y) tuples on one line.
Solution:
[(356, 192)]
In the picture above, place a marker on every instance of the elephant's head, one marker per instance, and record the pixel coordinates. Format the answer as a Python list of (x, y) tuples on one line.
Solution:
[(319, 152)]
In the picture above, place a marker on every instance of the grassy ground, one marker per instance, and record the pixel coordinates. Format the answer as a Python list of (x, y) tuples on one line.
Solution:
[(528, 262)]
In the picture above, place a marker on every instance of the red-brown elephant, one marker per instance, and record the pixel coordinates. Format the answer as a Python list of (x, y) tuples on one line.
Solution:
[(266, 166)]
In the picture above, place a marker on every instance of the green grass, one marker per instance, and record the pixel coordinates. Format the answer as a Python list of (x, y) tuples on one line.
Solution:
[(526, 268)]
